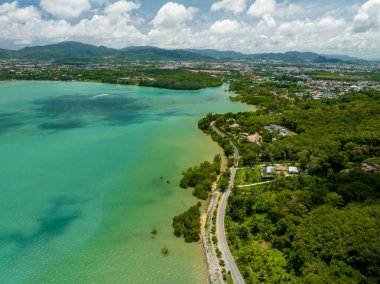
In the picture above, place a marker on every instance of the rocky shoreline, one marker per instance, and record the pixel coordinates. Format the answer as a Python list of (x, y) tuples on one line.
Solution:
[(214, 268)]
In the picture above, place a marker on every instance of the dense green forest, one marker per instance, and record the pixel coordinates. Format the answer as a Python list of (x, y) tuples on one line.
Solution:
[(319, 75), (330, 135), (188, 224), (168, 79), (180, 80), (271, 95), (202, 177), (318, 227), (373, 76), (305, 229)]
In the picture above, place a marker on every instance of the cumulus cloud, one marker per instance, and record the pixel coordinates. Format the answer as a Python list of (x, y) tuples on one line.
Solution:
[(225, 26), (268, 21), (121, 7), (13, 19), (10, 12), (169, 26), (65, 9), (172, 16), (113, 26), (278, 28), (7, 7), (368, 16), (286, 10), (24, 25), (234, 6), (331, 23), (262, 7)]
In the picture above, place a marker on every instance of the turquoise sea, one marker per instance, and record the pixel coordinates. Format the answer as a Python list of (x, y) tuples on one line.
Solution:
[(80, 187)]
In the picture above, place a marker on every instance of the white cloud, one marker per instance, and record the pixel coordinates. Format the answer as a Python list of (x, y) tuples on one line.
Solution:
[(268, 21), (286, 10), (368, 16), (290, 28), (262, 7), (278, 28), (225, 26), (7, 7), (111, 27), (66, 9), (10, 12), (331, 23), (169, 26), (234, 6), (172, 16), (170, 38), (121, 7)]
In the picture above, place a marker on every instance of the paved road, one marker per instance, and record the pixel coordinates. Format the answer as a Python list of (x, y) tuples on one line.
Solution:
[(220, 230), (212, 124)]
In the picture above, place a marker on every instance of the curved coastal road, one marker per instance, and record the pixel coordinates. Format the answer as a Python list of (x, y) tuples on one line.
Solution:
[(220, 231)]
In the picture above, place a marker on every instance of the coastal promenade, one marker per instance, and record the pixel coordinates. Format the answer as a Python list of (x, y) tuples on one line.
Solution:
[(220, 229)]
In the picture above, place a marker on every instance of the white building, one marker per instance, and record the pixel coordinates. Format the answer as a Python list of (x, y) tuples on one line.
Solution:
[(293, 170), (271, 170)]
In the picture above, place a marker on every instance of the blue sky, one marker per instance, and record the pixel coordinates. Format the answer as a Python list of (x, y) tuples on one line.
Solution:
[(343, 26)]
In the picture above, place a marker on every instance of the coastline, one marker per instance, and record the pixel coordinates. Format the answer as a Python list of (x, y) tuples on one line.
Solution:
[(215, 275), (116, 83), (116, 243), (214, 269)]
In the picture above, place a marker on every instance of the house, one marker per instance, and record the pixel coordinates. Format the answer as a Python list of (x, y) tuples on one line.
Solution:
[(281, 168), (293, 170), (273, 128), (370, 167), (235, 125), (255, 138), (270, 170)]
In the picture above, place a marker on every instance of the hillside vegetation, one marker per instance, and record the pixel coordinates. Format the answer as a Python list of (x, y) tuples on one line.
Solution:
[(148, 77), (80, 51), (320, 226)]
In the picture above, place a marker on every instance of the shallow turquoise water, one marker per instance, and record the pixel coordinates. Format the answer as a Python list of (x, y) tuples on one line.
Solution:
[(80, 181)]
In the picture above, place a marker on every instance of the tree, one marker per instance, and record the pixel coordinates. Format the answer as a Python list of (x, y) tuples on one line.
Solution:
[(188, 224), (349, 235), (264, 266)]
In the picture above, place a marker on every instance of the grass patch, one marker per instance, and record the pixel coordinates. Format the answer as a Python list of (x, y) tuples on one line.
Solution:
[(330, 76), (248, 176)]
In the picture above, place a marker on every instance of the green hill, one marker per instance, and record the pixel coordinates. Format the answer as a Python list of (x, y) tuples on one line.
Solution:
[(64, 50), (85, 52), (221, 55), (79, 52), (155, 53), (4, 53)]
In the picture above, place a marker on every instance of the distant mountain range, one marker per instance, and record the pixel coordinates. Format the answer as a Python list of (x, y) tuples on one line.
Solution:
[(76, 51), (291, 56)]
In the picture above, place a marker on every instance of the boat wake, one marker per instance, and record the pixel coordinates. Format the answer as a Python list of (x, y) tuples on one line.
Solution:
[(99, 96)]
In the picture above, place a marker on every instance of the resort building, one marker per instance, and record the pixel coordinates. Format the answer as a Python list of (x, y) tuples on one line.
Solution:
[(270, 170), (293, 170), (255, 138)]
